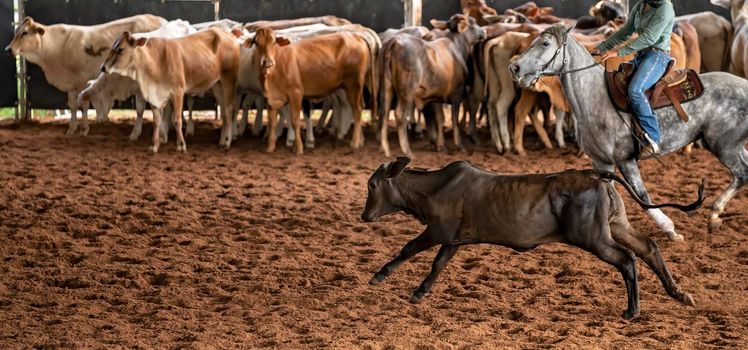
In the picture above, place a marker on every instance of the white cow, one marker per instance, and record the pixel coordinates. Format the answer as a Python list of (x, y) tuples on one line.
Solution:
[(71, 55)]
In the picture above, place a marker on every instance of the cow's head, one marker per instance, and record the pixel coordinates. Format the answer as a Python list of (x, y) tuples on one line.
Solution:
[(384, 198), (544, 54), (27, 40), (464, 25), (266, 42), (121, 56), (608, 10)]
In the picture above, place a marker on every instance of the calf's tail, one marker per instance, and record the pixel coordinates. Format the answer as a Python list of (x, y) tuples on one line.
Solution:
[(686, 208)]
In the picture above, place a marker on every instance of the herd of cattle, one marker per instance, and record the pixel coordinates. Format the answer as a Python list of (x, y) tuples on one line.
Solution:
[(287, 65)]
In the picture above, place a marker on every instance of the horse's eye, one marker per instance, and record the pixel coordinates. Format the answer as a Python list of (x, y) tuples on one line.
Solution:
[(546, 43)]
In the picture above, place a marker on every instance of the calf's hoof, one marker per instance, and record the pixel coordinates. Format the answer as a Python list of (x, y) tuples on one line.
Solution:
[(714, 225), (630, 314), (675, 237), (687, 299), (377, 279), (417, 296)]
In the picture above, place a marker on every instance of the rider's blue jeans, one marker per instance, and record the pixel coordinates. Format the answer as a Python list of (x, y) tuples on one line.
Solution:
[(649, 68)]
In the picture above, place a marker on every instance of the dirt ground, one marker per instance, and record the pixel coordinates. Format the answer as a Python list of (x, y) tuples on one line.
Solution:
[(103, 245)]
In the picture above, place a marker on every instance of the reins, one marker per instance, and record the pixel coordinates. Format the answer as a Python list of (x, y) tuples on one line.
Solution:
[(562, 50)]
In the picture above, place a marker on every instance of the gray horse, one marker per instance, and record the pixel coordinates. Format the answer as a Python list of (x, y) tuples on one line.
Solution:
[(718, 117)]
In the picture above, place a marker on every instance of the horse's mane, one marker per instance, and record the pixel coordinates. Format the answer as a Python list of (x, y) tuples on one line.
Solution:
[(557, 30)]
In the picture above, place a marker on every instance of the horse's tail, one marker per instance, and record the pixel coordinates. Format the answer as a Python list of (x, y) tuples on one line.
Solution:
[(690, 207)]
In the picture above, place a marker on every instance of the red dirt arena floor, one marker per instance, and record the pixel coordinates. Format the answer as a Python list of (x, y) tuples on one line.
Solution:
[(103, 245)]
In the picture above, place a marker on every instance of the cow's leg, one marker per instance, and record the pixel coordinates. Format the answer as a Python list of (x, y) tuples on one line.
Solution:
[(73, 105), (139, 110), (439, 118), (177, 120), (326, 106), (272, 124), (295, 104), (309, 142), (403, 110), (422, 242), (165, 122), (559, 127), (446, 252), (353, 93), (257, 127), (630, 172), (646, 249), (523, 108), (540, 129), (156, 129), (456, 125), (585, 225), (190, 123), (384, 118), (493, 127)]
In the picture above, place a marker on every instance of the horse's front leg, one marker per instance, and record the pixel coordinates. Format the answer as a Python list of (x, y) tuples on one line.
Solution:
[(630, 172)]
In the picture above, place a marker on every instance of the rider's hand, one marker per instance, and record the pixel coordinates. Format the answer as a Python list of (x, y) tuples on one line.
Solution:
[(609, 54)]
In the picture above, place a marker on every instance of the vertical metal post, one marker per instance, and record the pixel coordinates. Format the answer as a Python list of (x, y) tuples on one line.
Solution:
[(413, 9), (22, 108), (625, 4), (216, 10)]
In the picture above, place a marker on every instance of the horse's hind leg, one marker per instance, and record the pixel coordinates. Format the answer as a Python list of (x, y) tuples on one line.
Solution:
[(737, 162), (646, 249), (630, 172)]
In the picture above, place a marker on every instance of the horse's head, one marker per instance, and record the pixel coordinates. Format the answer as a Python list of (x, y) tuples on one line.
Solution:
[(546, 54)]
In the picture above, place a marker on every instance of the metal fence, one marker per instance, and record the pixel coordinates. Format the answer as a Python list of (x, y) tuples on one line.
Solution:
[(377, 14)]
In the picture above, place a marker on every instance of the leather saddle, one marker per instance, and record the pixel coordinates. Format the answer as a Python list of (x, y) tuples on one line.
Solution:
[(675, 87)]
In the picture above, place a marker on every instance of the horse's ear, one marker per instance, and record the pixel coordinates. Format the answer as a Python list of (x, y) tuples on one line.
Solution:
[(570, 26)]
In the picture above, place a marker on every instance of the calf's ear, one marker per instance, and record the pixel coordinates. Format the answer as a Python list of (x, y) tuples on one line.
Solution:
[(282, 41), (397, 167), (439, 24)]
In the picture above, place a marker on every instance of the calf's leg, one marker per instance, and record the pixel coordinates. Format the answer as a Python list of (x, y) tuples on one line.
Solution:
[(446, 253), (415, 246)]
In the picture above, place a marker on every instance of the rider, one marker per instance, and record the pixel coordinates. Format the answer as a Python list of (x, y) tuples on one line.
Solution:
[(653, 20)]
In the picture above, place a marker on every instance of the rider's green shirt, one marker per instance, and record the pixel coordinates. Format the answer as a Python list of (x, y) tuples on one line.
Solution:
[(654, 28)]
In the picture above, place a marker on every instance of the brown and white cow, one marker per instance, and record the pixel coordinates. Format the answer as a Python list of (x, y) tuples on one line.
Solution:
[(715, 38), (167, 69), (417, 72), (70, 55), (312, 68)]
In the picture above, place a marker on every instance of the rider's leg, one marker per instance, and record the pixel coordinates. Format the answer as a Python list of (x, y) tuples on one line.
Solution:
[(650, 68)]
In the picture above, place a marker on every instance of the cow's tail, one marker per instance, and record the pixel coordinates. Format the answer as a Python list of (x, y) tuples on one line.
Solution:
[(375, 47), (385, 79), (686, 208)]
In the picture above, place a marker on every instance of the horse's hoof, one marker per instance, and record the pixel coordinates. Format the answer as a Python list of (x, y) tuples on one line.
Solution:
[(675, 237), (714, 225), (630, 314)]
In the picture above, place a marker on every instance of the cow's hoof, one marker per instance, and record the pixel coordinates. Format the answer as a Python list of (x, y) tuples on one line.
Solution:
[(134, 137), (270, 149), (630, 314), (309, 145), (182, 148), (521, 152), (71, 131), (714, 225), (675, 237), (153, 149), (164, 140), (416, 297), (84, 131)]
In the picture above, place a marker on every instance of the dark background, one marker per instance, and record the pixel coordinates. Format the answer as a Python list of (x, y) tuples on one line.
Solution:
[(377, 14)]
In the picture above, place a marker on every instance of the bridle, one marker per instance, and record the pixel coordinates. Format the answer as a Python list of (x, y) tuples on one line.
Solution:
[(544, 72)]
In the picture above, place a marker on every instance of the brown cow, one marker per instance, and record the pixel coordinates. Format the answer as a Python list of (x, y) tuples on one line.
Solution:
[(167, 69), (479, 10), (420, 71), (312, 68), (289, 23)]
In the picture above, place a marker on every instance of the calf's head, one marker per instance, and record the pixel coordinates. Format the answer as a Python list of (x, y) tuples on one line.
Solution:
[(122, 55), (27, 40), (384, 198), (462, 25), (266, 42)]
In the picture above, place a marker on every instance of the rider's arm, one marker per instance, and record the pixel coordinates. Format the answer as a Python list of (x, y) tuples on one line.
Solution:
[(650, 35), (621, 35)]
